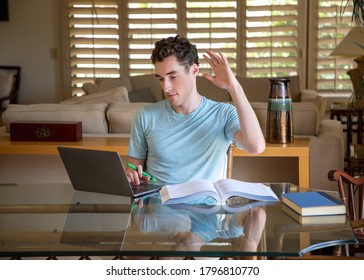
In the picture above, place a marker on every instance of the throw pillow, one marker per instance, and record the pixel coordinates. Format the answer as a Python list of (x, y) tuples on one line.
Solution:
[(142, 95), (115, 95), (321, 105), (103, 84)]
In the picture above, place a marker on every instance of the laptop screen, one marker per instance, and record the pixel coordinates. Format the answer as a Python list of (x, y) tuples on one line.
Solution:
[(100, 171)]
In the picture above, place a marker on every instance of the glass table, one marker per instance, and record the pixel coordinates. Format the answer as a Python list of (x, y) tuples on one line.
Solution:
[(53, 220)]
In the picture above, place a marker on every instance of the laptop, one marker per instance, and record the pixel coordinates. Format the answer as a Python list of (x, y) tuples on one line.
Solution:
[(101, 172)]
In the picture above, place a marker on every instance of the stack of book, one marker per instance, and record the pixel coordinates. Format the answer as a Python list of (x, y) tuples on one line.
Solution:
[(314, 208)]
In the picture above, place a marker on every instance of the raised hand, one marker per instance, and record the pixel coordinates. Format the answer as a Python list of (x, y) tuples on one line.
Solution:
[(224, 77)]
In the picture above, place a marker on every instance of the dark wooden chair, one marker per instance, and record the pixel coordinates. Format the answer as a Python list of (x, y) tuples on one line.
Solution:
[(351, 190), (12, 96)]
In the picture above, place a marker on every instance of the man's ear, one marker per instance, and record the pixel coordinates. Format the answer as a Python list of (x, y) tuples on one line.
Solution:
[(195, 69)]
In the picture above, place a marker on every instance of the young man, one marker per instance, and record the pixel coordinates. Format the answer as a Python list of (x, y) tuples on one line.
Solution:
[(186, 136)]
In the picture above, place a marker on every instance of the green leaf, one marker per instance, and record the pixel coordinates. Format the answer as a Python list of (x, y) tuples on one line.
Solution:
[(356, 43)]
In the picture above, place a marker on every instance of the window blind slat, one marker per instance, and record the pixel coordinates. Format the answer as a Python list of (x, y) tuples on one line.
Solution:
[(93, 23), (89, 10), (100, 72), (90, 41), (78, 3)]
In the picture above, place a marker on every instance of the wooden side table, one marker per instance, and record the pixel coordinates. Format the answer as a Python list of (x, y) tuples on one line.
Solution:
[(299, 149)]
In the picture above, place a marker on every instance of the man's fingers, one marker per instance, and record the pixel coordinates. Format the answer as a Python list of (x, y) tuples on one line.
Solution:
[(214, 58), (133, 177), (140, 171)]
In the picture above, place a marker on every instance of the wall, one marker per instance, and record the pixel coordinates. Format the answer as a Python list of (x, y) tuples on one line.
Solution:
[(31, 39)]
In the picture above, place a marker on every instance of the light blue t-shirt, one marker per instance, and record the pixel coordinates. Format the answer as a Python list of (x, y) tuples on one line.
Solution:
[(179, 148)]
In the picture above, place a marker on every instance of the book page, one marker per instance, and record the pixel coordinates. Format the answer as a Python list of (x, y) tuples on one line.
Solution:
[(256, 191), (189, 191)]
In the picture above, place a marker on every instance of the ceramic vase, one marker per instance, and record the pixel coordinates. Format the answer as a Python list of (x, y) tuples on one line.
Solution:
[(279, 115)]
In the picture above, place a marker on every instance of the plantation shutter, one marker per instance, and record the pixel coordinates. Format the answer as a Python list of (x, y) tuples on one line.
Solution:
[(148, 21), (272, 38), (331, 71), (94, 41), (213, 25), (113, 38)]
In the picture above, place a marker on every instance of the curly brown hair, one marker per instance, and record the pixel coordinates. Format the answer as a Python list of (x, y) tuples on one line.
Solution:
[(185, 52)]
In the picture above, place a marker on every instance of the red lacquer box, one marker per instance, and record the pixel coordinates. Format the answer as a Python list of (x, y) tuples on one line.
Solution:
[(46, 131)]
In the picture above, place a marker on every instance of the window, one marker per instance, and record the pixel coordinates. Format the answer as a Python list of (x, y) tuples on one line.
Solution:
[(271, 38), (332, 26), (113, 38), (147, 22), (213, 25), (93, 41)]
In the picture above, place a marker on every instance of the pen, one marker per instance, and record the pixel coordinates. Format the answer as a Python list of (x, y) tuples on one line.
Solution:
[(144, 173)]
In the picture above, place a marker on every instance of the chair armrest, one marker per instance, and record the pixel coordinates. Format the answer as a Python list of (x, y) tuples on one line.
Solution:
[(358, 224), (308, 95)]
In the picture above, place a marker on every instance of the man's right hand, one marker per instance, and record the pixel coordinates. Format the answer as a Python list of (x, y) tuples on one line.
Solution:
[(136, 176)]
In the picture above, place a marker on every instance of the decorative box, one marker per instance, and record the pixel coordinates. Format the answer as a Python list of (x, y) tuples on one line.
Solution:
[(45, 131)]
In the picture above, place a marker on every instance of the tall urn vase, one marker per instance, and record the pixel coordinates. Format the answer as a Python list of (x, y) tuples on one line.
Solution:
[(279, 115)]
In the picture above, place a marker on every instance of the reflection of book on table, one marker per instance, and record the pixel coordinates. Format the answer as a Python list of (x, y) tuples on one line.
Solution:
[(239, 205), (313, 203), (314, 220), (220, 191)]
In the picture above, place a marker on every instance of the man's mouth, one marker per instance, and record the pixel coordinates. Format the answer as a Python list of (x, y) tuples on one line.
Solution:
[(170, 95)]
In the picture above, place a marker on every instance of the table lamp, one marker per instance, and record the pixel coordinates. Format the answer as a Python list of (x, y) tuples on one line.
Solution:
[(348, 48)]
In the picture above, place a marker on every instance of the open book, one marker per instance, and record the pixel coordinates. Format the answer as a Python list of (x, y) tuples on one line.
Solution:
[(220, 191)]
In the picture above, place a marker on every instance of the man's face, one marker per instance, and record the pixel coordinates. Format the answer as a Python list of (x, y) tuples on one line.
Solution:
[(177, 84)]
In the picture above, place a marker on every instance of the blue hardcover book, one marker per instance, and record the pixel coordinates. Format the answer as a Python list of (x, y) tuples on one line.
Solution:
[(314, 203)]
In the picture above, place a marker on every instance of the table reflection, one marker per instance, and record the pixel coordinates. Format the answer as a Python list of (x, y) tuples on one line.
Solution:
[(187, 227)]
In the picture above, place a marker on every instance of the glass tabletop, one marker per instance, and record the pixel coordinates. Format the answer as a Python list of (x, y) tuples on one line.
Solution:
[(54, 220)]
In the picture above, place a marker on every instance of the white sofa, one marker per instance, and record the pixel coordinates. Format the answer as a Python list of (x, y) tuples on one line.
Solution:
[(110, 113)]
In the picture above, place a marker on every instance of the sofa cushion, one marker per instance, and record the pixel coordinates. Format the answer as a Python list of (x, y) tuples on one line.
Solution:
[(118, 94), (306, 117), (321, 103), (92, 116), (147, 81), (133, 84), (210, 91), (121, 116), (103, 84), (142, 95)]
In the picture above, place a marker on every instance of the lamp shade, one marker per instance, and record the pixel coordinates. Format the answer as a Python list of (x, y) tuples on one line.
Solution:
[(348, 46)]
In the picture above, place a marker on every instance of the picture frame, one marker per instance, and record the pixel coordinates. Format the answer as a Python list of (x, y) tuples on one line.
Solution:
[(4, 10)]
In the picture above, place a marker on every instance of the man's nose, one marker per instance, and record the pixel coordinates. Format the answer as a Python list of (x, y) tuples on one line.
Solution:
[(166, 86)]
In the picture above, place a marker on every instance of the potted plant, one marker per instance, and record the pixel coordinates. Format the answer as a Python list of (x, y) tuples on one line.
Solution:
[(357, 15)]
